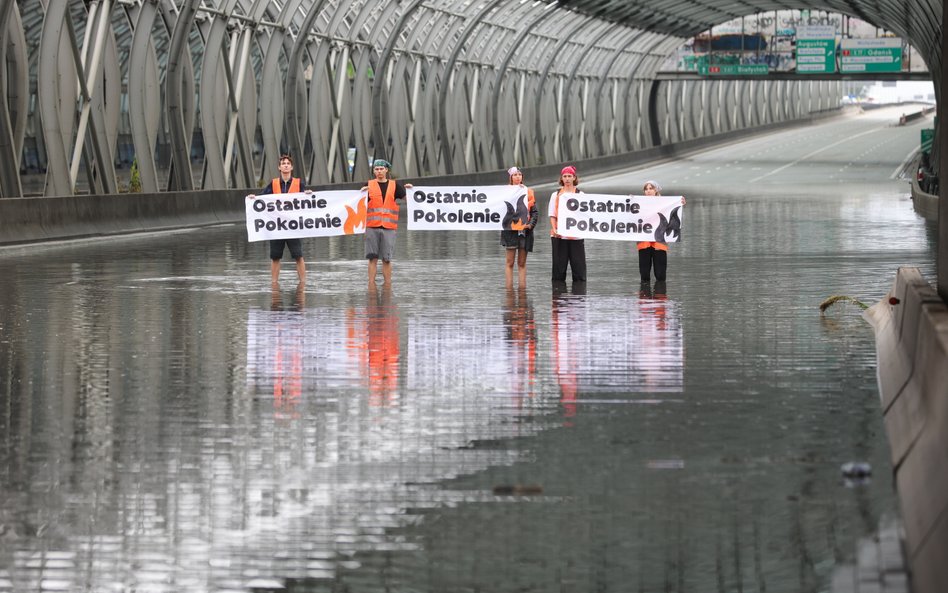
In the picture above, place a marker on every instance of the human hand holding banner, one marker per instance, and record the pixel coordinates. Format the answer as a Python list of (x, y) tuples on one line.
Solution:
[(298, 215), (620, 218)]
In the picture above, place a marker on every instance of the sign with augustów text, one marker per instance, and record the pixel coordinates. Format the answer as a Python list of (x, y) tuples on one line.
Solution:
[(620, 218), (293, 216)]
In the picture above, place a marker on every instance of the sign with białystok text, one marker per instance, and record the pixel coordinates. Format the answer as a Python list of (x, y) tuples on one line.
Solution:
[(733, 70)]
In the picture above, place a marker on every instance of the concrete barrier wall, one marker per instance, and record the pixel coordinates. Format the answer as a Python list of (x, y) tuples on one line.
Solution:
[(926, 205), (911, 326), (37, 219), (30, 220)]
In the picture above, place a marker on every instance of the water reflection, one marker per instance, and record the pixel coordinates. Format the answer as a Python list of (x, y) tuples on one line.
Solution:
[(521, 339), (375, 344), (168, 423), (604, 347)]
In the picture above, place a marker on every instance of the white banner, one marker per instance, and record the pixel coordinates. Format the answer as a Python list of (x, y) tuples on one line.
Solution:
[(619, 218), (293, 216), (487, 208)]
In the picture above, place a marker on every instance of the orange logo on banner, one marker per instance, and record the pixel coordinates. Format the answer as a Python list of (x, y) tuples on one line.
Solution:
[(355, 219)]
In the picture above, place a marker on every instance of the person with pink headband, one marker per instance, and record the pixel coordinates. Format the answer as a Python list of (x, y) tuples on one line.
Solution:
[(568, 252), (518, 241)]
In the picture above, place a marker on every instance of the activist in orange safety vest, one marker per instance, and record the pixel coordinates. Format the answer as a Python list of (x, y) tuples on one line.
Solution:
[(517, 236), (653, 253), (382, 219), (567, 251), (285, 184)]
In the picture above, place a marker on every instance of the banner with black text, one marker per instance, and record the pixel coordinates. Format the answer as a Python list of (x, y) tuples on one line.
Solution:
[(293, 216), (486, 208), (620, 218)]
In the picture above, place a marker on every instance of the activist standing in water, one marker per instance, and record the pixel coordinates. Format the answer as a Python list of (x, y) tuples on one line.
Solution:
[(567, 251), (285, 184), (519, 242), (653, 253), (382, 219)]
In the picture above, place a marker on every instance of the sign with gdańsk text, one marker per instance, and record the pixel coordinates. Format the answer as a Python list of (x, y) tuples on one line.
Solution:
[(619, 218), (292, 216), (883, 54), (485, 208)]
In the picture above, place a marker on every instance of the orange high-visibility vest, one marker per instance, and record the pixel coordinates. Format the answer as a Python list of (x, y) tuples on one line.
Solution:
[(277, 186), (655, 244), (382, 211)]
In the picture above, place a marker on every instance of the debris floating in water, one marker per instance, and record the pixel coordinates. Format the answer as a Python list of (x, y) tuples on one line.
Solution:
[(856, 469), (517, 489), (838, 298)]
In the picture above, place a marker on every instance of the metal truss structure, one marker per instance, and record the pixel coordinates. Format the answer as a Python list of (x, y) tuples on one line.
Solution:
[(201, 94)]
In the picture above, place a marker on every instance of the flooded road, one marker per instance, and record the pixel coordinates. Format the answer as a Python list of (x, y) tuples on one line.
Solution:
[(170, 423)]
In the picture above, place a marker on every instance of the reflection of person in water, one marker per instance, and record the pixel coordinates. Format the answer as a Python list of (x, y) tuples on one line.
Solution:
[(384, 348), (567, 353), (660, 358), (287, 347), (522, 337), (374, 341), (297, 304)]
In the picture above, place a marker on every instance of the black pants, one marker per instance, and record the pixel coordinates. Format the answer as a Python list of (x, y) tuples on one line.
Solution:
[(650, 256), (569, 253)]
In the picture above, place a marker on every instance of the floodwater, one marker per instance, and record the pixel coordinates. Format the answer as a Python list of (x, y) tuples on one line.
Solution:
[(168, 423)]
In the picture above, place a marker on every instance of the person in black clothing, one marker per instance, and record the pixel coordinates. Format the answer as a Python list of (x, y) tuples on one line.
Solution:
[(285, 184)]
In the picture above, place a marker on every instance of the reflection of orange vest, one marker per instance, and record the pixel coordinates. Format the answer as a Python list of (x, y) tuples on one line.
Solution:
[(277, 186), (383, 211), (655, 244)]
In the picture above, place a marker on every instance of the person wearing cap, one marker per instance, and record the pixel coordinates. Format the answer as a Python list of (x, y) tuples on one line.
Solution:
[(653, 253), (520, 241), (285, 184), (567, 251), (382, 219)]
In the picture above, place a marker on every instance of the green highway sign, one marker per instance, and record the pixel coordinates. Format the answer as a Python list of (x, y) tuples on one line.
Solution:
[(883, 54), (928, 136), (734, 70), (816, 50)]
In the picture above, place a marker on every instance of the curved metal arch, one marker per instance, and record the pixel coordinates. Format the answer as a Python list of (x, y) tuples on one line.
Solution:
[(175, 103), (143, 100), (388, 139), (210, 101), (48, 91), (379, 95), (9, 147), (617, 53), (499, 77), (271, 88), (565, 139), (291, 94), (446, 81), (480, 52), (540, 139)]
